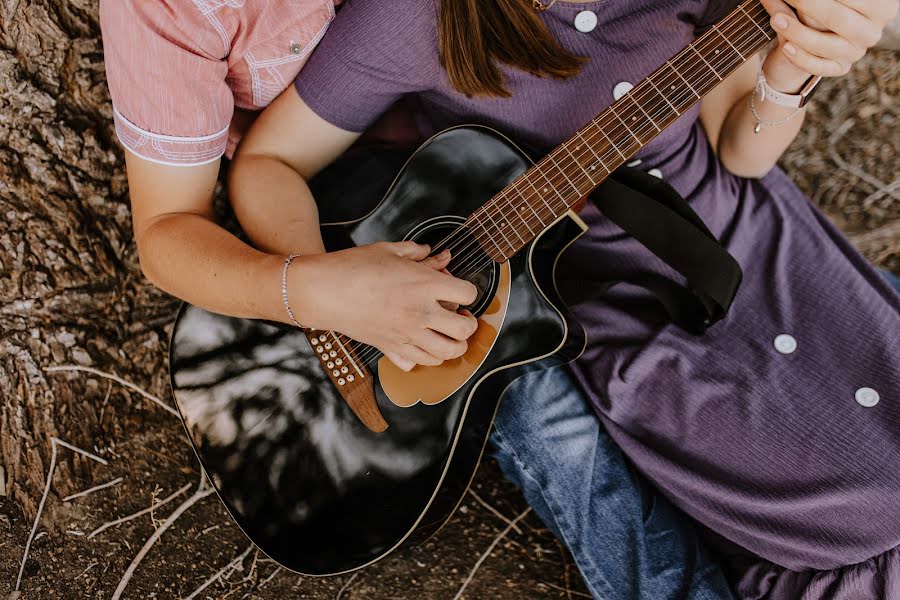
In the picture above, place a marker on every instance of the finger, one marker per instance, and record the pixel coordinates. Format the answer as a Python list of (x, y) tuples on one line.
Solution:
[(823, 44), (858, 29), (458, 326), (410, 250), (451, 306), (814, 65), (877, 10), (402, 363), (439, 345), (460, 291), (439, 261), (418, 356)]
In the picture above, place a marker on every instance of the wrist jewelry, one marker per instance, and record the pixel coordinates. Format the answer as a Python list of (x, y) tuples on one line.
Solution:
[(284, 294), (767, 92), (760, 122)]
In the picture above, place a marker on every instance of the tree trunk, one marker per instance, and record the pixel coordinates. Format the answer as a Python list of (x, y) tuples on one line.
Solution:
[(70, 286)]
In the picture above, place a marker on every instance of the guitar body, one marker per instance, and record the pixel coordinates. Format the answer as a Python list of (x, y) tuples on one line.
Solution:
[(304, 478)]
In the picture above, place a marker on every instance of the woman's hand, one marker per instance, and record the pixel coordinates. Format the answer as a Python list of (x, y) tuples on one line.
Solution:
[(822, 37), (389, 295)]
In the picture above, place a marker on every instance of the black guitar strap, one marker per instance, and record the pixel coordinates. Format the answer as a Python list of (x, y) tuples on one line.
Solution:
[(652, 212)]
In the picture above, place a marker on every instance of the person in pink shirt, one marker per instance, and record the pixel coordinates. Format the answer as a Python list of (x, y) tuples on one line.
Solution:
[(187, 78)]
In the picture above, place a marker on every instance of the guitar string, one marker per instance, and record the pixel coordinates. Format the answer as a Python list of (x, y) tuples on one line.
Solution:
[(702, 43), (589, 151), (730, 22), (689, 71), (582, 175)]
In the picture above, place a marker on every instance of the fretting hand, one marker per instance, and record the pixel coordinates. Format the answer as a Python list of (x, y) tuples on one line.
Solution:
[(822, 37)]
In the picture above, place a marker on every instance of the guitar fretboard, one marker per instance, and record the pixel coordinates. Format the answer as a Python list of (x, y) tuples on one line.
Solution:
[(547, 190)]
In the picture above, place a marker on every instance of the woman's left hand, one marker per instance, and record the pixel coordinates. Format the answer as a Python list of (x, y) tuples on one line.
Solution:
[(825, 37)]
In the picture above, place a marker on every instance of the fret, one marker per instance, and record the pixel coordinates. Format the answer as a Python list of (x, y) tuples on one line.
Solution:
[(512, 226), (641, 108), (591, 148), (741, 7), (566, 177), (475, 219), (692, 47), (669, 62), (528, 203), (603, 133), (616, 115), (724, 37), (538, 194), (663, 96), (578, 164), (675, 86)]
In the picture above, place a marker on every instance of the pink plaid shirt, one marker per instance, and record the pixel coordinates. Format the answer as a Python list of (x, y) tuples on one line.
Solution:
[(188, 76)]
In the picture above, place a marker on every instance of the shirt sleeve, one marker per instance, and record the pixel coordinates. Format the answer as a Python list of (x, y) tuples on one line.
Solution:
[(166, 67), (375, 52)]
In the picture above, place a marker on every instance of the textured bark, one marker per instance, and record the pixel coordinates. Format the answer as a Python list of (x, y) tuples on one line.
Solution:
[(70, 286)]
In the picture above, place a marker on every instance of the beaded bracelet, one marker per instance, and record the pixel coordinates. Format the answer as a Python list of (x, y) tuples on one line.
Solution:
[(284, 294)]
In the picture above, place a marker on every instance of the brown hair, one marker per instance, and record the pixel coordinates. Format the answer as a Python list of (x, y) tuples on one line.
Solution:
[(475, 35)]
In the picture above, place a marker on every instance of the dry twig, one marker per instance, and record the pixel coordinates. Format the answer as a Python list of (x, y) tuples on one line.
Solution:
[(231, 566), (96, 488), (54, 442), (201, 492), (115, 378), (140, 513), (346, 586), (487, 552), (494, 511)]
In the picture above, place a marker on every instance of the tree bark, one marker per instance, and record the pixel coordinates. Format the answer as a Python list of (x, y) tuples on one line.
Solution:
[(70, 286)]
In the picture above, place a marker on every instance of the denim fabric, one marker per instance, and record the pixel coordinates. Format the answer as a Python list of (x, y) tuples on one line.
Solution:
[(627, 540), (892, 279)]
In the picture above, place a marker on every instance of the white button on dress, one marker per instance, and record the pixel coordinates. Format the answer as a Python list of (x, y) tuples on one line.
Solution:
[(585, 21), (785, 343), (867, 397), (622, 88)]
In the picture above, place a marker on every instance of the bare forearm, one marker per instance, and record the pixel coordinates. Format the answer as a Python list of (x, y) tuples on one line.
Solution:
[(274, 206), (750, 153), (192, 258)]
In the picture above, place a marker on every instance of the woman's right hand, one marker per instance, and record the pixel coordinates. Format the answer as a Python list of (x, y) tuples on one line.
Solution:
[(390, 295)]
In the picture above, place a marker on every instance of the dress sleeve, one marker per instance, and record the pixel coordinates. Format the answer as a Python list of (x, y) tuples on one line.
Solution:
[(166, 67), (375, 52)]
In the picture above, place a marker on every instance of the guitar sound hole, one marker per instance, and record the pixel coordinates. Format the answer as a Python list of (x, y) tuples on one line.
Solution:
[(468, 261)]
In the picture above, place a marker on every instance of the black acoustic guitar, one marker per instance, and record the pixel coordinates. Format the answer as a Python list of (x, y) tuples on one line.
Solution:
[(328, 456)]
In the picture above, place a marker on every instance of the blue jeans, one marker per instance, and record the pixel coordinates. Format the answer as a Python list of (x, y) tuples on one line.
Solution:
[(626, 539)]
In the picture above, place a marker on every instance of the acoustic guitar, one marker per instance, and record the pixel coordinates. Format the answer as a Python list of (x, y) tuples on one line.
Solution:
[(327, 455)]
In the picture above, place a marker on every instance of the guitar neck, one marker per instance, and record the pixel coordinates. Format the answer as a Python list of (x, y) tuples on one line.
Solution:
[(536, 199)]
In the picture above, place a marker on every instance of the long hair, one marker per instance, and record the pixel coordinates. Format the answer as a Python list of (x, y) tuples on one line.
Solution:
[(476, 36)]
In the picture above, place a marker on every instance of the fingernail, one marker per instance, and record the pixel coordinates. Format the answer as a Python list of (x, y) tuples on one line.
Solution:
[(780, 22), (790, 49)]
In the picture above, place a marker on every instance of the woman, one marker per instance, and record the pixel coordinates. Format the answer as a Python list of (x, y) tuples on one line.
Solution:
[(768, 430), (186, 80)]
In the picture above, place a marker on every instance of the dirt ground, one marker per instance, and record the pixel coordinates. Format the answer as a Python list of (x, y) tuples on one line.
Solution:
[(845, 159)]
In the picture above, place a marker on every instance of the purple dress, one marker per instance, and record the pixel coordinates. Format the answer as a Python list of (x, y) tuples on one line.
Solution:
[(778, 430)]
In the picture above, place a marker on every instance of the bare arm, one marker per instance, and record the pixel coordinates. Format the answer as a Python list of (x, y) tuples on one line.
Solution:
[(184, 252), (380, 294), (815, 37)]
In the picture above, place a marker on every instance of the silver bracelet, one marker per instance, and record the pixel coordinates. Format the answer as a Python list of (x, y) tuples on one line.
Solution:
[(284, 294), (760, 122)]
